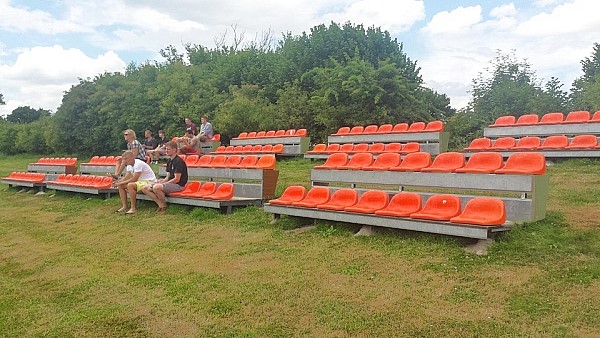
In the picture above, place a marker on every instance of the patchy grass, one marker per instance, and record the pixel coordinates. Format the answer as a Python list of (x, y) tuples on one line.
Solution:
[(70, 267)]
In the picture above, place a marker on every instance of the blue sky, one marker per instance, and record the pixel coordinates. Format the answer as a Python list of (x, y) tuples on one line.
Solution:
[(45, 46)]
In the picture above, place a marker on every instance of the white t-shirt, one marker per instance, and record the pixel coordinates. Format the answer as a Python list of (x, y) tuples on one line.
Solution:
[(141, 167)]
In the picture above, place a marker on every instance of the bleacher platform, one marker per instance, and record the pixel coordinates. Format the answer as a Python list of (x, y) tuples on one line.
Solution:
[(295, 142), (84, 184), (54, 165)]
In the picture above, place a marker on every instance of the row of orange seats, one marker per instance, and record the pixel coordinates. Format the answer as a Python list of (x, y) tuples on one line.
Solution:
[(375, 148), (273, 133), (442, 207), (415, 127), (554, 142), (84, 181), (266, 162), (104, 160), (580, 116), (258, 148), (207, 190), (57, 161), (483, 163), (26, 177), (215, 138)]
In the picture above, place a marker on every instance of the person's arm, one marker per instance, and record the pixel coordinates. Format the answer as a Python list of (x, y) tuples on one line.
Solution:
[(175, 179), (135, 150), (123, 181)]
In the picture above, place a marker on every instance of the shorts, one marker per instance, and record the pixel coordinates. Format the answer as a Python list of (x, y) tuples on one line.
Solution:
[(186, 150), (169, 188), (141, 184)]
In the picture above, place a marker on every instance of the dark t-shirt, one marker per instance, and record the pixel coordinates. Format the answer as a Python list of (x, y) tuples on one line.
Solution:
[(152, 143), (177, 165), (162, 141)]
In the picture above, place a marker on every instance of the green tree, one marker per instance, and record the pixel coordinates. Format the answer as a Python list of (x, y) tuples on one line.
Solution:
[(2, 99), (585, 89), (26, 114)]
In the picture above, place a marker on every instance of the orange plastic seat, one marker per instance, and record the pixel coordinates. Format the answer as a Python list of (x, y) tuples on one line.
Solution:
[(191, 187), (332, 148), (107, 183), (343, 131), (583, 142), (385, 128), (279, 133), (481, 143), (220, 149), (203, 161), (358, 161), (278, 148), (555, 142), (402, 204), (446, 163), (261, 133), (88, 180), (238, 149), (369, 202), (595, 117), (229, 149), (270, 133), (370, 129), (360, 148), (385, 161), (218, 161), (435, 126), (191, 160), (393, 147), (242, 135), (528, 143), (416, 127), (527, 120), (529, 163), (251, 134), (400, 128), (340, 199), (356, 130), (414, 162), (333, 161), (552, 118), (96, 181), (267, 148), (206, 189), (247, 162), (347, 147), (290, 132), (266, 162), (216, 138), (503, 143), (101, 160), (579, 116), (411, 147), (247, 148), (504, 121), (94, 159), (376, 148), (319, 148), (257, 148), (232, 161), (291, 194), (315, 196), (482, 211), (439, 208), (71, 161), (223, 193), (301, 132), (483, 163)]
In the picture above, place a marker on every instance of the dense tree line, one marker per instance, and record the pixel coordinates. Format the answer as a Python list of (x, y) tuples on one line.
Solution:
[(331, 76)]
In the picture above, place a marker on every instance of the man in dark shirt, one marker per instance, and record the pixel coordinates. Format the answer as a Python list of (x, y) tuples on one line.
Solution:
[(190, 125), (175, 180), (150, 143)]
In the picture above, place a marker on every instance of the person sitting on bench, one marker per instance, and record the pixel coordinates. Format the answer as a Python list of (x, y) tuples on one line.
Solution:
[(138, 175)]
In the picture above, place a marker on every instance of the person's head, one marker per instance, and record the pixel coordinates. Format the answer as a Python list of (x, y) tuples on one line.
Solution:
[(189, 132), (129, 135), (171, 148), (161, 133), (187, 121), (204, 119), (148, 134), (128, 157)]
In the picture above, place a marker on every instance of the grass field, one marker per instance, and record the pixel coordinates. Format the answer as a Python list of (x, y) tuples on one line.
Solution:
[(69, 266)]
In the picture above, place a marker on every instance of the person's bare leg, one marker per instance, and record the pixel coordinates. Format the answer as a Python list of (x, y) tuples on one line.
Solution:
[(123, 197), (160, 195), (132, 190), (149, 191), (118, 168)]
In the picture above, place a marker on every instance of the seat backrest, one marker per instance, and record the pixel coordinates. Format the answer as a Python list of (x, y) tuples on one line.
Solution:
[(256, 148), (417, 160), (191, 187), (411, 147), (416, 127), (595, 117), (442, 206), (94, 159), (375, 199), (216, 137), (191, 159), (218, 160), (527, 119), (204, 160), (529, 142), (229, 149), (345, 197), (387, 160), (336, 159), (261, 133), (224, 191), (356, 130), (247, 148), (393, 147), (319, 147), (343, 131), (301, 132), (266, 162), (555, 142), (502, 121), (480, 143), (293, 193), (267, 148), (552, 118), (533, 163), (448, 162), (248, 160), (347, 147), (233, 160), (435, 126), (370, 129), (220, 149), (317, 194), (207, 189), (360, 148), (333, 147), (242, 135), (482, 211), (251, 134), (408, 201), (361, 160), (278, 148), (385, 128), (485, 160), (290, 132), (279, 133), (583, 141), (579, 116), (270, 133), (504, 143), (376, 148), (400, 128), (97, 179)]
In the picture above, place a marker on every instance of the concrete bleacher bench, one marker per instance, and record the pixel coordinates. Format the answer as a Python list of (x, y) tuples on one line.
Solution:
[(84, 184), (524, 195), (295, 142), (254, 179), (62, 165), (576, 124), (211, 145), (26, 179)]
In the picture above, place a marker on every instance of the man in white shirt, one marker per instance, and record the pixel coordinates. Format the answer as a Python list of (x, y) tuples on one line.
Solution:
[(138, 175)]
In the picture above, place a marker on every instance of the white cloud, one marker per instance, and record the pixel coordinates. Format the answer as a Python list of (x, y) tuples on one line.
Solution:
[(566, 19), (504, 10), (40, 75), (21, 19), (455, 20)]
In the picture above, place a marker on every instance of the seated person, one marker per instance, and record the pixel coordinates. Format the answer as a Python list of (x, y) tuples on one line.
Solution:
[(190, 125), (175, 180), (150, 143), (138, 175), (160, 149), (206, 129), (190, 144), (134, 146)]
